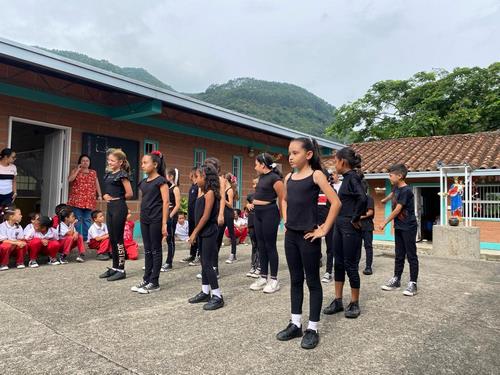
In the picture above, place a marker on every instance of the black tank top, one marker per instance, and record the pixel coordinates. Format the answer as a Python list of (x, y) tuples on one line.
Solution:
[(171, 196), (302, 204), (211, 226)]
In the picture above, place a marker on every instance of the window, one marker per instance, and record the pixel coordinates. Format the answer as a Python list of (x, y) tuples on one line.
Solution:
[(150, 146), (237, 172), (486, 201), (199, 156)]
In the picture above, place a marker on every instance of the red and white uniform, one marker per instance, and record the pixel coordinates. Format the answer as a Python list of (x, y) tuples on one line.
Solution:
[(68, 242), (131, 247), (95, 231), (13, 233), (38, 242)]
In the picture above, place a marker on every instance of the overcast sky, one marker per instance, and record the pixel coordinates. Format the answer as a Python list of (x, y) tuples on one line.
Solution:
[(335, 49)]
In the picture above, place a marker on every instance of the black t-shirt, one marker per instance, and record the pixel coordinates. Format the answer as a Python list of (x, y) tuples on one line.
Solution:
[(251, 214), (113, 184), (367, 224), (265, 187), (152, 202), (406, 219), (211, 226), (352, 196), (193, 195)]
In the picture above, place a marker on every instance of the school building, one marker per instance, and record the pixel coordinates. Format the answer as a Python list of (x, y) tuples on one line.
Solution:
[(481, 151), (53, 109)]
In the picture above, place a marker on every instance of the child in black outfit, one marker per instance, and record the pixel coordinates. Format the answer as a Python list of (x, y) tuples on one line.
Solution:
[(367, 230), (174, 197), (303, 235), (405, 230), (347, 233), (193, 257), (254, 260), (154, 214), (205, 234)]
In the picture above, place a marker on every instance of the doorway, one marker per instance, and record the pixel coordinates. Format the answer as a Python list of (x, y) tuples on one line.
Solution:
[(426, 210), (42, 165)]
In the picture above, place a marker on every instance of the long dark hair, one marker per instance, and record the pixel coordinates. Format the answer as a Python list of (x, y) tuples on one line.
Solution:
[(45, 222), (352, 158), (310, 144), (213, 162), (157, 157), (84, 156), (211, 179), (269, 162), (231, 179), (6, 152)]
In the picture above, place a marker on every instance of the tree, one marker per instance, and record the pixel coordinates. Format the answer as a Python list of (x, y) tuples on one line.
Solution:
[(466, 100)]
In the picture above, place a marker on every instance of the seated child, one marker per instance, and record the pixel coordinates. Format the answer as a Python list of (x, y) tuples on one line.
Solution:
[(55, 218), (131, 247), (98, 237), (240, 227), (12, 239), (182, 228), (42, 238), (34, 216), (69, 238)]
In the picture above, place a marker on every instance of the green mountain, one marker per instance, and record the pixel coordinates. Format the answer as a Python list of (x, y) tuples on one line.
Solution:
[(281, 103)]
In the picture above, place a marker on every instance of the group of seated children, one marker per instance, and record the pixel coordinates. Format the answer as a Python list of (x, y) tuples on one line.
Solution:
[(56, 238)]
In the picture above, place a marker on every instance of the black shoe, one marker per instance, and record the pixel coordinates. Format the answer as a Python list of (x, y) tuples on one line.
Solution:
[(290, 332), (368, 271), (310, 339), (107, 274), (200, 297), (335, 307), (102, 257), (214, 303), (352, 311), (166, 267), (187, 260), (118, 275)]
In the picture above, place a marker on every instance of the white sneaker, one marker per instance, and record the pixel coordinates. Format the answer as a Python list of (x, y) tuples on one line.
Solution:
[(327, 278), (150, 288), (198, 276), (33, 264), (20, 266), (272, 286), (231, 259), (143, 268), (4, 268), (258, 284), (251, 272), (256, 274), (141, 285)]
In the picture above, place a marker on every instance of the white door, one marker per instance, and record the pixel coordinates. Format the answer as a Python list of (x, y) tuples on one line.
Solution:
[(417, 193), (52, 180)]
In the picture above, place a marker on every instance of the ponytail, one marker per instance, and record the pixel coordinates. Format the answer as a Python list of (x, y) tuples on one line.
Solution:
[(233, 182), (174, 172), (120, 155), (352, 158), (268, 161), (158, 158), (310, 144)]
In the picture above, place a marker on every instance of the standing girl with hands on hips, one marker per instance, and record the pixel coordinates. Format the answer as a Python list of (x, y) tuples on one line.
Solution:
[(303, 235), (117, 189)]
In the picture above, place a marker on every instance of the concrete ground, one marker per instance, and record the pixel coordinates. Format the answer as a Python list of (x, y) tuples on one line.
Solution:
[(64, 320)]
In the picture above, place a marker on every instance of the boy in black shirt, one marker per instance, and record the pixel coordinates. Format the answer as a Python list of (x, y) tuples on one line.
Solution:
[(193, 258), (405, 230), (367, 230)]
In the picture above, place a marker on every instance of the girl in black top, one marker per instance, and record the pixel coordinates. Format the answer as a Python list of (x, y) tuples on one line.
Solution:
[(205, 234), (267, 219), (154, 214), (347, 233), (117, 189), (303, 235), (174, 206), (230, 195)]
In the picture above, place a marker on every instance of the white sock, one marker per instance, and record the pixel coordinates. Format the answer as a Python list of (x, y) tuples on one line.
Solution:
[(118, 270), (313, 326), (216, 292), (297, 319), (205, 289)]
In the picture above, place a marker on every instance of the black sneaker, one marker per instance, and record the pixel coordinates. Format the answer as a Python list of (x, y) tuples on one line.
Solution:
[(214, 303), (411, 290), (107, 274), (200, 297), (187, 260), (290, 332), (368, 271), (393, 284), (150, 288), (335, 307), (166, 267), (62, 259), (310, 339), (102, 257), (352, 311), (118, 275)]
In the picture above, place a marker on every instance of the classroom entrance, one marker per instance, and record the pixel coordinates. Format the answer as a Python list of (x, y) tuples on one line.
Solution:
[(42, 165), (426, 210)]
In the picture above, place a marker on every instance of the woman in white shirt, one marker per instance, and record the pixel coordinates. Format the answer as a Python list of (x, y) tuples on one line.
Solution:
[(8, 173)]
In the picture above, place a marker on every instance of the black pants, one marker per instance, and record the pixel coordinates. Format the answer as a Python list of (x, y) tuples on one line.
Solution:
[(171, 224), (405, 241), (208, 246), (347, 249), (255, 249), (329, 250), (115, 220), (193, 251), (267, 221), (368, 244), (152, 237), (303, 256), (229, 224)]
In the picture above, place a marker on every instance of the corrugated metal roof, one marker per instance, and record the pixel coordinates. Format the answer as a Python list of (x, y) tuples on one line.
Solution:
[(50, 61)]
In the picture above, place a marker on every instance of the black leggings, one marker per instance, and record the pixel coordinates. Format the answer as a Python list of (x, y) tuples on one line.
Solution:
[(267, 221), (405, 242), (152, 237), (329, 250), (193, 251), (115, 221), (303, 256), (368, 244), (229, 223), (347, 249), (254, 260), (171, 224), (207, 247)]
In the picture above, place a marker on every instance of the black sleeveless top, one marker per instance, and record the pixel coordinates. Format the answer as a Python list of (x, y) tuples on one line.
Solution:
[(171, 196), (113, 184), (211, 226), (227, 199), (302, 204)]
